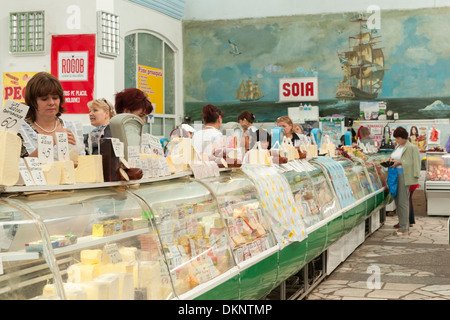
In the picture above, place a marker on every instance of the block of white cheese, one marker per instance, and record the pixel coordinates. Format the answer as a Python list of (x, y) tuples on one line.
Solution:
[(112, 281), (126, 286), (149, 274), (72, 291), (78, 272), (67, 171), (96, 290), (89, 169), (52, 173), (10, 147)]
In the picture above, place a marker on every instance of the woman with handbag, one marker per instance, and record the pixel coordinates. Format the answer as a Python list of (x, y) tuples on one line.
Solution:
[(406, 160)]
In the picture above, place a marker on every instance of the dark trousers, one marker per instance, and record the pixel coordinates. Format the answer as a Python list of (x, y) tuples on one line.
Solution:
[(411, 209)]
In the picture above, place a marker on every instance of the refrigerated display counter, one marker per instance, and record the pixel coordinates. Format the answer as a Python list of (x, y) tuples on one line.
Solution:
[(437, 183)]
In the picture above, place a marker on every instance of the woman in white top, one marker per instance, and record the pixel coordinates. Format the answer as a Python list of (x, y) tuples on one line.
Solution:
[(207, 140)]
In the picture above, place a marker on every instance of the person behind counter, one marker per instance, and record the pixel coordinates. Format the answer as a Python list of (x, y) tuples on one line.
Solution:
[(44, 95), (246, 119), (134, 101), (286, 123), (365, 136), (298, 129), (264, 138), (210, 138), (100, 113), (406, 158)]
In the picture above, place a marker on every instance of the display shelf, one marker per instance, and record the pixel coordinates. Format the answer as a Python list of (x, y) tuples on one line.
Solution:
[(18, 256)]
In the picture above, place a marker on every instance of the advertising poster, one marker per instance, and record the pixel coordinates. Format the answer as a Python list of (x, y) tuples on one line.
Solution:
[(298, 89), (151, 81), (334, 129), (73, 63), (14, 84), (418, 136), (376, 132)]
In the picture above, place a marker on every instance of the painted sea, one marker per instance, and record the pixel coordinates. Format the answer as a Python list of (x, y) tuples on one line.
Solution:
[(268, 111)]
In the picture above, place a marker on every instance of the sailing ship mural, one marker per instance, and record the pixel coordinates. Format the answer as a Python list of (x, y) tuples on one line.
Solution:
[(249, 91), (363, 64)]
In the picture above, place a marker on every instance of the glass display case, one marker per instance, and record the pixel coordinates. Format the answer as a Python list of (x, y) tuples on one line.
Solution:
[(360, 167), (375, 160), (437, 183), (241, 210), (191, 230), (353, 172), (312, 189), (304, 193), (89, 244), (438, 166)]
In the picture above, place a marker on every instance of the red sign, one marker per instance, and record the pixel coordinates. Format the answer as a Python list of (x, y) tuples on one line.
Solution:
[(73, 63), (298, 89)]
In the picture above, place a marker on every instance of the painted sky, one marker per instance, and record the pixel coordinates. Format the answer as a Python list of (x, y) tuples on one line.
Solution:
[(416, 45)]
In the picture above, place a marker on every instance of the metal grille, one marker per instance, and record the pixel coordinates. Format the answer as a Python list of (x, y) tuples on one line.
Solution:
[(108, 34), (26, 32)]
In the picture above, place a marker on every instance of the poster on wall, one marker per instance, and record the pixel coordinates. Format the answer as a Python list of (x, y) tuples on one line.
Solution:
[(151, 81), (334, 129), (376, 132), (73, 63), (418, 136), (14, 84)]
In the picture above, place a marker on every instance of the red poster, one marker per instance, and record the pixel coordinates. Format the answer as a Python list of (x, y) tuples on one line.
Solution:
[(73, 63)]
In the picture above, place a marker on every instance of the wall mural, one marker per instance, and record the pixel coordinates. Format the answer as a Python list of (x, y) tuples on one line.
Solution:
[(236, 64)]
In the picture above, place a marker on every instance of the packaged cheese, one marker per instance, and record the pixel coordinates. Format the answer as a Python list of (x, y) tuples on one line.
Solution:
[(10, 147)]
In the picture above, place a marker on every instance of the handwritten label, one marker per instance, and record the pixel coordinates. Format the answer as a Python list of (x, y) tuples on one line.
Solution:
[(118, 147), (36, 171), (45, 148), (12, 116), (113, 253), (25, 173), (62, 144)]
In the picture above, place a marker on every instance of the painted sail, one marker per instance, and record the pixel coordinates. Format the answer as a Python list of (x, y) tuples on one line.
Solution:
[(363, 65), (249, 91)]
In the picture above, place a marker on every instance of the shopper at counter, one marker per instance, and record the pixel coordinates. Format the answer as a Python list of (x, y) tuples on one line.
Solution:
[(286, 123), (246, 119), (134, 101), (44, 95), (100, 113), (210, 138), (406, 158)]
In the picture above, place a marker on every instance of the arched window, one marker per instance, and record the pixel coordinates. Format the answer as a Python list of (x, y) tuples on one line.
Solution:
[(150, 66)]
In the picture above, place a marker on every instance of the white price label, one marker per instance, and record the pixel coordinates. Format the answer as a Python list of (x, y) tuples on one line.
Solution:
[(36, 171), (62, 144), (118, 148), (45, 148), (25, 173), (12, 116), (113, 253)]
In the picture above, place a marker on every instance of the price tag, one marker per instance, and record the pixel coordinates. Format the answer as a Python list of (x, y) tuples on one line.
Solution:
[(45, 148), (113, 253), (36, 171), (133, 155), (62, 145), (12, 116), (25, 173), (118, 148)]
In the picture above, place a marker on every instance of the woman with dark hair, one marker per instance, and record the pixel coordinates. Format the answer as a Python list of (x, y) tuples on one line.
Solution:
[(135, 101), (246, 119), (413, 134), (406, 158), (44, 96), (207, 140)]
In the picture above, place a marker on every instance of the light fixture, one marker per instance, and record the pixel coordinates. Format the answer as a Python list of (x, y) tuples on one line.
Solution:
[(26, 32), (108, 34)]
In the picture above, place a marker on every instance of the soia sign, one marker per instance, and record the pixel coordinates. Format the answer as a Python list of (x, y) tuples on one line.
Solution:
[(298, 89)]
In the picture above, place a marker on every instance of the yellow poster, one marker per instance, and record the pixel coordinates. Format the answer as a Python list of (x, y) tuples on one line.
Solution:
[(14, 84), (151, 81)]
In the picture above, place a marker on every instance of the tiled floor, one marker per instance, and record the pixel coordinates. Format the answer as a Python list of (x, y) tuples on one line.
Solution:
[(413, 267)]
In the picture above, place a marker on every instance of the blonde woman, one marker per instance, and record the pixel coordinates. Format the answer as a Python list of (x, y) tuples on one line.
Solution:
[(100, 113), (286, 123)]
